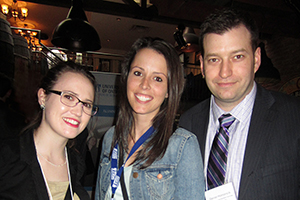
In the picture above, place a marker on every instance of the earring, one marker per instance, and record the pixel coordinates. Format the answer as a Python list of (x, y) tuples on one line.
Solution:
[(42, 107)]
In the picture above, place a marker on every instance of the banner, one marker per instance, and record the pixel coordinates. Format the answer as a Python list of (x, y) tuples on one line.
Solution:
[(106, 100)]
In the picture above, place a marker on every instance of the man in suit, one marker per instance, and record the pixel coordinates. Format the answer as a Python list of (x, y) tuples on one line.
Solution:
[(263, 155)]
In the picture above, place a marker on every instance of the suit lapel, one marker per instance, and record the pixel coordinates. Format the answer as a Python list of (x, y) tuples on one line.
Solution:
[(259, 131), (73, 168), (28, 154)]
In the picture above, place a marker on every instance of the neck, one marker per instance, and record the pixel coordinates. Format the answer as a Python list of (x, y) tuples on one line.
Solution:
[(47, 144), (141, 126)]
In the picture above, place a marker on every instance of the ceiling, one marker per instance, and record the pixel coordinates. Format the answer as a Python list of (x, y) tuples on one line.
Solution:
[(120, 22)]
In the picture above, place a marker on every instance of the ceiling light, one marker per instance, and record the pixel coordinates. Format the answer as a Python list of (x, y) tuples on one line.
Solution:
[(15, 10), (75, 33), (32, 36), (186, 39)]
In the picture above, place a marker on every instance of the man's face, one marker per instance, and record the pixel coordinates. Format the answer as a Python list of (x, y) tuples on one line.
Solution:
[(229, 65)]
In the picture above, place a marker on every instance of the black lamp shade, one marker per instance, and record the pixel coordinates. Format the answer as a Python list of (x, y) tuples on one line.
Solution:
[(192, 40), (76, 35), (186, 39)]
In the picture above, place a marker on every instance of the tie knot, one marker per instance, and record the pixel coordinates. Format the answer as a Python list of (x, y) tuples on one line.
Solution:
[(226, 120)]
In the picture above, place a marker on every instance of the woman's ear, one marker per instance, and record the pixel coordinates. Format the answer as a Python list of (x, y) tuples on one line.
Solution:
[(41, 97), (167, 95)]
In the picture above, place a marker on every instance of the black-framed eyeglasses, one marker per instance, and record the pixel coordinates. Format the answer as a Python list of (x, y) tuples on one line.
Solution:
[(69, 99)]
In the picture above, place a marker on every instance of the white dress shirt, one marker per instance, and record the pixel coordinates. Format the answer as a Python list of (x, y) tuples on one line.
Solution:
[(238, 133)]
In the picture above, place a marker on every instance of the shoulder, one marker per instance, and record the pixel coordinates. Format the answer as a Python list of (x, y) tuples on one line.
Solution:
[(107, 141), (183, 134), (277, 100), (198, 109), (194, 114), (9, 150), (183, 138), (263, 93), (286, 99), (108, 137), (181, 143), (75, 156), (15, 173)]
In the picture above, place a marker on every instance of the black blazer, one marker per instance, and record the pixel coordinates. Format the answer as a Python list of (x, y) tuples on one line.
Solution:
[(271, 167), (21, 176)]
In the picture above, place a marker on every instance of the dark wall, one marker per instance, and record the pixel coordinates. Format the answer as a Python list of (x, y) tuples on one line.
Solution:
[(285, 55)]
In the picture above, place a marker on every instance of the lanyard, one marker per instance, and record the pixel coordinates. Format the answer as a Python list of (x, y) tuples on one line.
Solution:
[(115, 173)]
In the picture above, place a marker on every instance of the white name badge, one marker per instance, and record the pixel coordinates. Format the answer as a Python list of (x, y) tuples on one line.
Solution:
[(223, 192)]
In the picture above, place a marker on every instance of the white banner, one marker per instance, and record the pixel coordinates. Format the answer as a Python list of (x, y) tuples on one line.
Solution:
[(106, 100)]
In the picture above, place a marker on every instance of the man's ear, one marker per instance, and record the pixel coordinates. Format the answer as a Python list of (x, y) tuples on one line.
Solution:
[(41, 94), (257, 59), (202, 66)]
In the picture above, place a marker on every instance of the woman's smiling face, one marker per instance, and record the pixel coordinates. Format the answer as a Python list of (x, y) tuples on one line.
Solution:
[(147, 83), (63, 120)]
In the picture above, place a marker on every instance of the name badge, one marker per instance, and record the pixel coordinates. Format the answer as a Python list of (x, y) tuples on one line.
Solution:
[(223, 192)]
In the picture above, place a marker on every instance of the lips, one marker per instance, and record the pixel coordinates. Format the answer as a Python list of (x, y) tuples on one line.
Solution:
[(72, 122), (227, 84), (143, 98)]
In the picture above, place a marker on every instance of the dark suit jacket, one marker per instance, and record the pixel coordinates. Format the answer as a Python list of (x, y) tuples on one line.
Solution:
[(20, 174), (271, 167)]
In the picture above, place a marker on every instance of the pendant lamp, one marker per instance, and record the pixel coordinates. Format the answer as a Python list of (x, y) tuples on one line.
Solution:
[(75, 33), (186, 39)]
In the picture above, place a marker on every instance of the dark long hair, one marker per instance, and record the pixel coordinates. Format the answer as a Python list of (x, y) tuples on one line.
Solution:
[(51, 78), (226, 19), (164, 120)]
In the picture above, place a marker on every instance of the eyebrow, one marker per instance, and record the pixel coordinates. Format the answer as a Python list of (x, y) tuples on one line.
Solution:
[(161, 74), (239, 50), (153, 72), (233, 52), (76, 95)]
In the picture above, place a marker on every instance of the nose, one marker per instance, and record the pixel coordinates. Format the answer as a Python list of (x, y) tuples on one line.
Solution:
[(145, 83), (225, 69), (78, 109)]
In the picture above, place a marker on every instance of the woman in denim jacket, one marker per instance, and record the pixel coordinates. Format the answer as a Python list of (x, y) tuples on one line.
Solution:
[(152, 161)]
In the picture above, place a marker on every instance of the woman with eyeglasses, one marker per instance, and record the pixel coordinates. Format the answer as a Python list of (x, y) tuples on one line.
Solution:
[(42, 164)]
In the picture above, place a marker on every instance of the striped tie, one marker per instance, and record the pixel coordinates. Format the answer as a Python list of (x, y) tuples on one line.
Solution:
[(218, 155)]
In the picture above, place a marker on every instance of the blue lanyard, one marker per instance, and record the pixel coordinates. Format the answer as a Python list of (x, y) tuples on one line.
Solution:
[(115, 174)]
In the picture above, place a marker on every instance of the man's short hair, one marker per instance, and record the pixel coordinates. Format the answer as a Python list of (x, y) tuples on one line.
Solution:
[(226, 19)]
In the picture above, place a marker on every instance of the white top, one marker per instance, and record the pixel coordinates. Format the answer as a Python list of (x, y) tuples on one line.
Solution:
[(238, 133), (118, 195)]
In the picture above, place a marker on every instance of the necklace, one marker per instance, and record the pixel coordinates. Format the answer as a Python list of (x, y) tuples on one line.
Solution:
[(69, 175), (51, 163)]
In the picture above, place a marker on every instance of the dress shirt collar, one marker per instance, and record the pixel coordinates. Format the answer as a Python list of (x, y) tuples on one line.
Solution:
[(241, 112)]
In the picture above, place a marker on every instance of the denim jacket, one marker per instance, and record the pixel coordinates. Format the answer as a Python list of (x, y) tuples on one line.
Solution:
[(181, 168)]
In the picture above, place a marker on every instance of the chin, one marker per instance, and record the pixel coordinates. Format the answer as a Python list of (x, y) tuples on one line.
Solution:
[(71, 135)]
